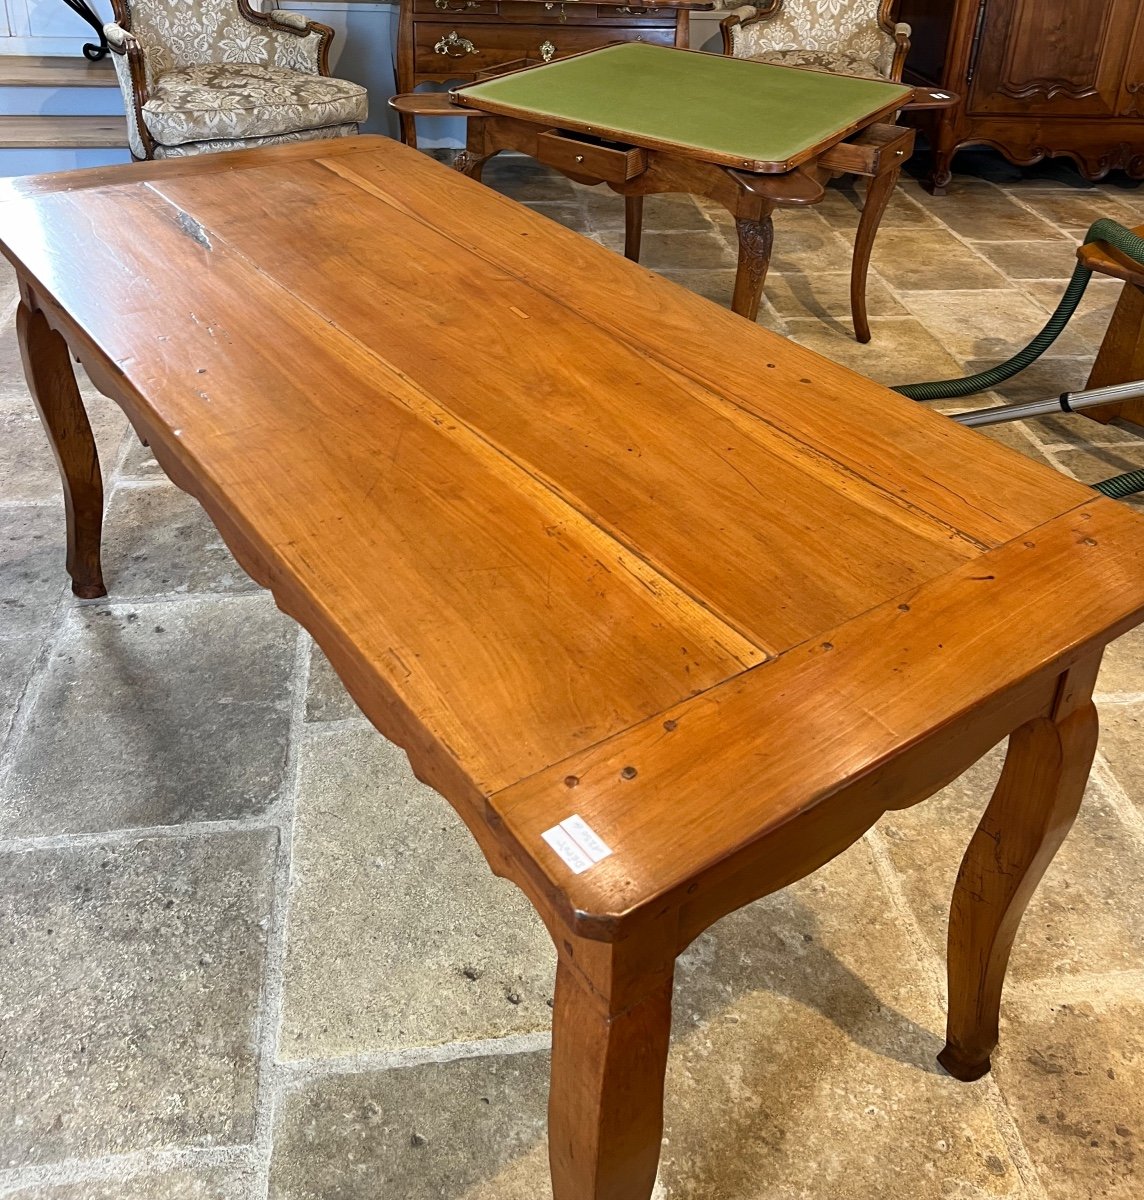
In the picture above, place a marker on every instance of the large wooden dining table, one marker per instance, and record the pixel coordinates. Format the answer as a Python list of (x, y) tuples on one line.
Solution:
[(669, 626)]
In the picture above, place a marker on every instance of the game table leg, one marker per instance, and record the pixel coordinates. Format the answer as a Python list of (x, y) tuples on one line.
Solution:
[(52, 382), (610, 1034), (633, 226), (756, 238), (879, 189), (1035, 803)]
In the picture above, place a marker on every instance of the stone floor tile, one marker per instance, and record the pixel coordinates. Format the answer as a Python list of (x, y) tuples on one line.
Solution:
[(159, 540), (670, 213), (1014, 436), (471, 1128), (326, 696), (1122, 735), (932, 260), (842, 208), (17, 658), (693, 249), (398, 933), (13, 388), (32, 573), (981, 211), (155, 715), (1073, 1075), (900, 350), (1047, 377), (209, 1183), (130, 994), (717, 286), (136, 460), (525, 179), (991, 324), (806, 244), (9, 291), (1073, 210), (1086, 916), (1030, 260), (28, 471), (1122, 669), (826, 297), (1088, 325), (569, 213), (797, 1068), (1094, 463), (803, 1059)]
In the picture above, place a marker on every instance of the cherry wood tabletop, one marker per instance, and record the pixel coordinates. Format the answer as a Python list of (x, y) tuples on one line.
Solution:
[(587, 547)]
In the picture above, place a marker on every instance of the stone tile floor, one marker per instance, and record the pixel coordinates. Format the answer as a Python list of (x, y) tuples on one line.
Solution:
[(246, 955)]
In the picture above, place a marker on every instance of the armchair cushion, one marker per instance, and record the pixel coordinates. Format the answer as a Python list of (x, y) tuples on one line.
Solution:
[(829, 27), (837, 61), (247, 100)]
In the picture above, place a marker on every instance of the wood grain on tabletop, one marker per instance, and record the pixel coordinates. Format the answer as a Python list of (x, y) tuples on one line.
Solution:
[(610, 495)]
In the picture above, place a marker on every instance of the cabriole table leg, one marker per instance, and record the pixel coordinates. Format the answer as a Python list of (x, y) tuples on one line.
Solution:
[(51, 380), (1035, 803), (756, 238)]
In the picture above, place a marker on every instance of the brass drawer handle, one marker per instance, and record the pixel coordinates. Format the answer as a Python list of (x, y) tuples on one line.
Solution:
[(636, 12), (563, 14), (455, 46), (445, 6), (547, 51)]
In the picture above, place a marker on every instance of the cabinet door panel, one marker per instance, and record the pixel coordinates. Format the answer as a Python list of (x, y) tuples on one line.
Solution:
[(1132, 95), (1052, 56)]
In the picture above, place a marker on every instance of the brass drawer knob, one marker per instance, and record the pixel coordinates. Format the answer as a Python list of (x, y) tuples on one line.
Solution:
[(454, 46)]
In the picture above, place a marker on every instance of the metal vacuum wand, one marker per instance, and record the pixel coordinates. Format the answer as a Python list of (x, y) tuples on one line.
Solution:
[(1066, 402)]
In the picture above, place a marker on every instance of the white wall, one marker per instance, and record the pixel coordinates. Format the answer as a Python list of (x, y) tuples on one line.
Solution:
[(46, 26)]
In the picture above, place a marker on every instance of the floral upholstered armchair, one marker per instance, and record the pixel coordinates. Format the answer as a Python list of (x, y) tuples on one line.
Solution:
[(204, 75), (849, 37)]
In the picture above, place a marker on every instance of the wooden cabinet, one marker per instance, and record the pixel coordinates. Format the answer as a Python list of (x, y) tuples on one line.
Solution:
[(443, 41), (1038, 78)]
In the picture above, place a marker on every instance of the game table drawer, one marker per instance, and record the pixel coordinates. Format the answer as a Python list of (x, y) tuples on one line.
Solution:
[(611, 163), (438, 46)]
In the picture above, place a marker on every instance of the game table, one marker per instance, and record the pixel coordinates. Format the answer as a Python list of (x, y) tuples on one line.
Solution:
[(752, 136), (669, 628)]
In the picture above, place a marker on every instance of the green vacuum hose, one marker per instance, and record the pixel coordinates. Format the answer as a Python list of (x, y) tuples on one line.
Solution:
[(1120, 486), (1104, 230)]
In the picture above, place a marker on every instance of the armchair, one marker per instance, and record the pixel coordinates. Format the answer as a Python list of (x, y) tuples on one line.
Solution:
[(199, 76), (849, 37)]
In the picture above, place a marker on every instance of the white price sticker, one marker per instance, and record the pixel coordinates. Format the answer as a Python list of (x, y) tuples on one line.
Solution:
[(577, 843)]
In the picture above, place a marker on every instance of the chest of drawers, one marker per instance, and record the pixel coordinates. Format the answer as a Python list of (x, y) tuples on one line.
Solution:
[(442, 41)]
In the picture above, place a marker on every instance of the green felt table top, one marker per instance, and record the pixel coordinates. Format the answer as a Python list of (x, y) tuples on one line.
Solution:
[(727, 110)]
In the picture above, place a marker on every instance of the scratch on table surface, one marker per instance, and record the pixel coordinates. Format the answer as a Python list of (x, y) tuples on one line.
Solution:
[(193, 229)]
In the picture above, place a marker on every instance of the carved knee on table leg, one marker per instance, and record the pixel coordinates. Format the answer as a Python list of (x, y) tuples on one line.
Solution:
[(1032, 809), (51, 380), (609, 1055)]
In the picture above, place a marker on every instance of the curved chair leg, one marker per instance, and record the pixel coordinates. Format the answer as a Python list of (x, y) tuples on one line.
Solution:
[(51, 380), (609, 1053), (1036, 800), (633, 226)]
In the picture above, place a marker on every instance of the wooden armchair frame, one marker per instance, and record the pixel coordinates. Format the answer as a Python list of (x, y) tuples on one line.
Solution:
[(769, 9), (132, 50)]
